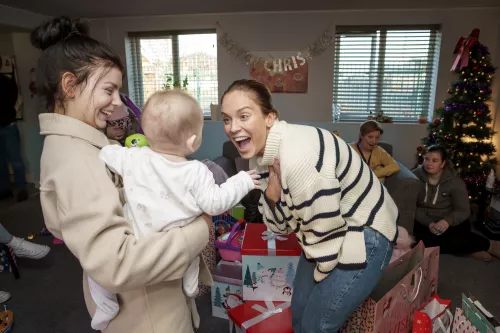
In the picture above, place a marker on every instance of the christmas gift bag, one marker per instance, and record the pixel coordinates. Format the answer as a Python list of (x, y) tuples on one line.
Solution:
[(226, 290), (269, 264), (229, 244), (477, 314), (433, 317), (405, 285), (461, 324), (261, 317)]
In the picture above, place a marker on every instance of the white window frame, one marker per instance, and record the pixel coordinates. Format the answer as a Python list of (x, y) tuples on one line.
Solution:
[(134, 60), (376, 74)]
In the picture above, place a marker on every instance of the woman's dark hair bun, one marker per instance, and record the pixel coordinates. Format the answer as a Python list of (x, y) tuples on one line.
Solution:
[(56, 30)]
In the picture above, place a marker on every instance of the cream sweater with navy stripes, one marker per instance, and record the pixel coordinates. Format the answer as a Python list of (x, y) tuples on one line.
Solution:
[(328, 196)]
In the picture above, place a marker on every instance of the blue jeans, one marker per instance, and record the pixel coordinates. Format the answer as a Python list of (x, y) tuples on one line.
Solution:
[(323, 307), (10, 152)]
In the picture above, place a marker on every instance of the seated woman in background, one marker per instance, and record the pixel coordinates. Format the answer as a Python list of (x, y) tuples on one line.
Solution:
[(443, 210), (375, 156)]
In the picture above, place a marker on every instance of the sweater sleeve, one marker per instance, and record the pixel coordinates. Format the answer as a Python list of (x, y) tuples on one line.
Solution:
[(216, 199), (460, 204), (390, 166), (276, 216)]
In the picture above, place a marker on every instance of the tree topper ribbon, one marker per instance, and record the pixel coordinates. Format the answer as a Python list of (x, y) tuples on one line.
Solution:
[(265, 313), (271, 238), (462, 50)]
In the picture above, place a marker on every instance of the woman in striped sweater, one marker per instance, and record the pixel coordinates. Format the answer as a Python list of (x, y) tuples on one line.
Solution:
[(316, 186)]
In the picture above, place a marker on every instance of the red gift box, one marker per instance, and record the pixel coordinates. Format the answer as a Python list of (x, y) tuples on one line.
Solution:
[(257, 240), (262, 317)]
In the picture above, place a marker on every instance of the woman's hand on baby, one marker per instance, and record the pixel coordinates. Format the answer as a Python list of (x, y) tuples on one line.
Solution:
[(273, 191), (255, 177)]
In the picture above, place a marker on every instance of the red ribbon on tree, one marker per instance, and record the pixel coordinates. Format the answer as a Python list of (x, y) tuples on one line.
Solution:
[(462, 50)]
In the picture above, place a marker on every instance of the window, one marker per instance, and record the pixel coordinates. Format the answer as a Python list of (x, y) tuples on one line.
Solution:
[(182, 59), (389, 69)]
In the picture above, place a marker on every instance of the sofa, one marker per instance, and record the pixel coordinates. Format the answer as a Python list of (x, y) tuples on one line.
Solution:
[(402, 186)]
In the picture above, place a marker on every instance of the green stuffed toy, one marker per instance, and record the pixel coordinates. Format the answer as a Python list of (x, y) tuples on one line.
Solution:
[(136, 140)]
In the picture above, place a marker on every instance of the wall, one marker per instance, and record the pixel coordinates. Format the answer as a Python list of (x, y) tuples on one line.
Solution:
[(293, 31), (6, 44), (26, 59), (18, 44), (16, 41)]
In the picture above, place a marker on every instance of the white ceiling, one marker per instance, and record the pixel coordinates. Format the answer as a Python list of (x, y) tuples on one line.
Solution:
[(116, 8)]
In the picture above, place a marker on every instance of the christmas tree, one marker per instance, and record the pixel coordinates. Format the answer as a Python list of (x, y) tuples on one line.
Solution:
[(463, 125), (290, 274), (217, 298), (248, 278)]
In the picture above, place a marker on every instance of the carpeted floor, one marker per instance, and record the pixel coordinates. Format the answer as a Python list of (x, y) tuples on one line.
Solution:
[(48, 297)]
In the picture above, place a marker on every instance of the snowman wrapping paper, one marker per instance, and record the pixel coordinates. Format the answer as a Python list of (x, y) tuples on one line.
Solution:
[(226, 288), (269, 264)]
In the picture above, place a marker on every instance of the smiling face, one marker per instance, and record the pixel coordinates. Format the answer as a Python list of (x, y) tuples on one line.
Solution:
[(370, 140), (433, 163), (245, 123), (95, 101)]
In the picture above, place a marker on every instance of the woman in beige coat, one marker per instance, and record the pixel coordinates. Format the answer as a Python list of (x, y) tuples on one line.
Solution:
[(80, 78)]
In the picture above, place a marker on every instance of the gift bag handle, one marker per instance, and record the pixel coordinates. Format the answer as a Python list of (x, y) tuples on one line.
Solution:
[(232, 234), (417, 288), (234, 230), (441, 324)]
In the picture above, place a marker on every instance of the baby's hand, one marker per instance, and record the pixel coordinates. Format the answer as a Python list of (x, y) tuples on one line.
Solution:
[(253, 174)]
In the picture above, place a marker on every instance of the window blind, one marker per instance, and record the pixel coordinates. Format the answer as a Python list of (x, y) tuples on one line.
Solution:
[(161, 60), (389, 69)]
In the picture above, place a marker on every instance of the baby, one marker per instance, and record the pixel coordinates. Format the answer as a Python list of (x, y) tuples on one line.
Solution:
[(163, 189)]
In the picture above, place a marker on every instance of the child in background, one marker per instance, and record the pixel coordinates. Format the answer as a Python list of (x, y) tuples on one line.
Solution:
[(379, 161), (163, 189), (121, 125)]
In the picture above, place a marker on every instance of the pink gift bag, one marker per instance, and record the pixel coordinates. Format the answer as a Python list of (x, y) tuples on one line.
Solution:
[(462, 324), (405, 285)]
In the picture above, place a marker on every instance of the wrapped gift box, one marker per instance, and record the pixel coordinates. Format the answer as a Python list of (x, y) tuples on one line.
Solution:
[(226, 290), (261, 317), (269, 264)]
